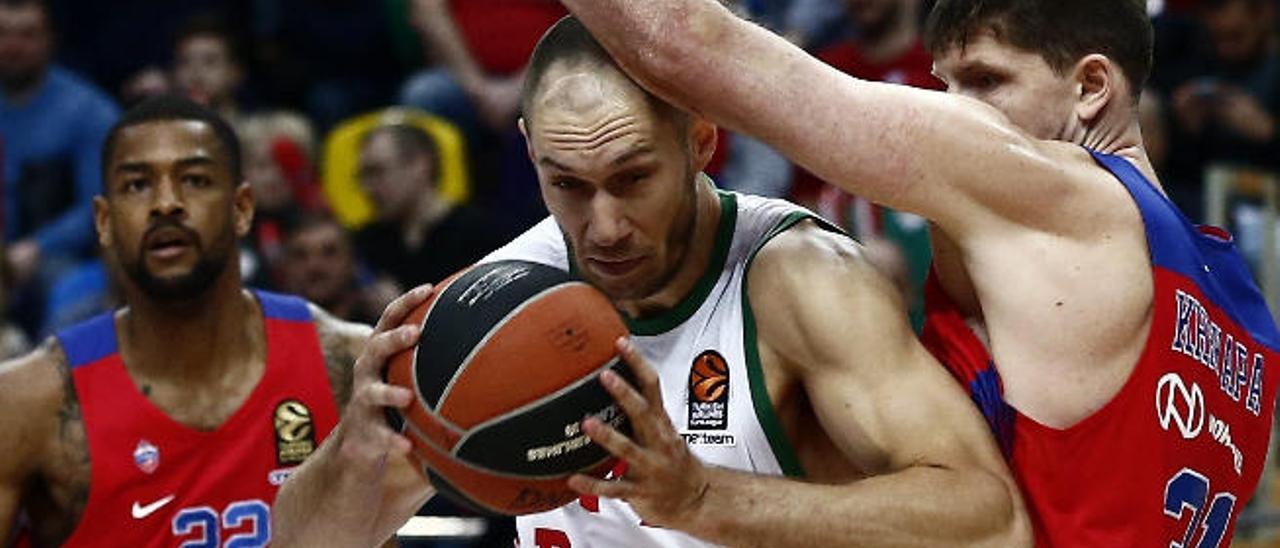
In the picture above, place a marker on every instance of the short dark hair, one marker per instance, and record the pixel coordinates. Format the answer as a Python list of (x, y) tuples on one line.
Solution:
[(1059, 31), (410, 140), (569, 42), (313, 219), (174, 108)]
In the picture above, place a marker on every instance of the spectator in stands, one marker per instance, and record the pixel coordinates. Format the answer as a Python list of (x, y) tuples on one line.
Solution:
[(480, 48), (279, 152), (418, 236), (208, 66), (149, 81), (884, 45), (1232, 106), (1226, 112), (806, 23), (121, 44), (52, 123), (320, 266)]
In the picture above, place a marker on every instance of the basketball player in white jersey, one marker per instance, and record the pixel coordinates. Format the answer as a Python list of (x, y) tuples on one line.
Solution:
[(788, 404)]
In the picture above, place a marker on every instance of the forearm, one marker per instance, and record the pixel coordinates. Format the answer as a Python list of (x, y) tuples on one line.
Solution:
[(310, 511), (920, 506)]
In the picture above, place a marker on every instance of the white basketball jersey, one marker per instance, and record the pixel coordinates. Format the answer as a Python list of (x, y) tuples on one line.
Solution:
[(705, 352)]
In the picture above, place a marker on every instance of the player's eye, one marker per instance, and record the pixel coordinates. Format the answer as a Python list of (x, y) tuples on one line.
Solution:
[(135, 185), (566, 183), (982, 81), (197, 180), (638, 176)]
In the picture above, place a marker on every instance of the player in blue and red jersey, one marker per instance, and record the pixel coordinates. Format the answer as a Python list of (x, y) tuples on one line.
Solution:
[(173, 420), (1131, 349)]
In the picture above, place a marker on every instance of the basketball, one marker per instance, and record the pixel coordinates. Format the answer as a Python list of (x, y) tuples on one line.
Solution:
[(505, 369)]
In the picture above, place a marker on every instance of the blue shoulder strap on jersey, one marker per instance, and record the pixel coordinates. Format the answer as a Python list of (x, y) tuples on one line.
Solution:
[(1205, 255), (89, 341), (283, 307)]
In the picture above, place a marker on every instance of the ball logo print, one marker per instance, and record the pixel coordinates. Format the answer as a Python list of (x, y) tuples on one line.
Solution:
[(709, 392), (506, 367), (1179, 406)]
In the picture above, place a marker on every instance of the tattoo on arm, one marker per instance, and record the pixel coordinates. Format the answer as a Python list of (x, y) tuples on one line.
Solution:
[(340, 343), (60, 492), (338, 361)]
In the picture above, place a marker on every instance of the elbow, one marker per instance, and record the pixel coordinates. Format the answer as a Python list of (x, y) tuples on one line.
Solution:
[(1010, 524)]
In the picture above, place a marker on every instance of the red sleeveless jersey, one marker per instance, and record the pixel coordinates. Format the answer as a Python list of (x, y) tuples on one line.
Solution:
[(157, 483), (1174, 457)]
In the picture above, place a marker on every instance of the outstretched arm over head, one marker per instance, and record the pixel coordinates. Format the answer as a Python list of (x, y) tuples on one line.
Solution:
[(942, 156)]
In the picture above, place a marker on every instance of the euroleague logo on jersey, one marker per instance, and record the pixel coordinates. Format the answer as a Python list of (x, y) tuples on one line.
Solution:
[(295, 435), (709, 392)]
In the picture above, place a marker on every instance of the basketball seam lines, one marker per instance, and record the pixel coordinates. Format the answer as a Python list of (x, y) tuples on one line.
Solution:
[(585, 379), (414, 364), (498, 325), (421, 436)]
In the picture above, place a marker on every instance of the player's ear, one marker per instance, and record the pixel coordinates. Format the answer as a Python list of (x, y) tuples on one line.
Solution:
[(703, 136), (102, 220), (243, 207), (1098, 82), (528, 143)]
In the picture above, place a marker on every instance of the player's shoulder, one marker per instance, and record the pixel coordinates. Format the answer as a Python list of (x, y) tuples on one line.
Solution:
[(808, 266), (1061, 183), (809, 248), (35, 385), (341, 342), (329, 325)]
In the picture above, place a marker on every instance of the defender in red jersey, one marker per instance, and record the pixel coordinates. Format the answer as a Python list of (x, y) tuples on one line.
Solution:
[(1133, 349), (173, 420)]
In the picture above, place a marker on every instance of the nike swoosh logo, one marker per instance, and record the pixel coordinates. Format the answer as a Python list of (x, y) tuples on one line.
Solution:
[(140, 512)]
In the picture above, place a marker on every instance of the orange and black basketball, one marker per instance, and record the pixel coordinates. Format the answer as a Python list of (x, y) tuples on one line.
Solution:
[(505, 370)]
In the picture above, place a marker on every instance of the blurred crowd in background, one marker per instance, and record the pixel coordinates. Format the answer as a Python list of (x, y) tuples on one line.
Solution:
[(380, 136)]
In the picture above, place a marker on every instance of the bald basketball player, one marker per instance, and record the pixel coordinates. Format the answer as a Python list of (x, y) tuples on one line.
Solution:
[(835, 427), (1131, 348), (173, 420)]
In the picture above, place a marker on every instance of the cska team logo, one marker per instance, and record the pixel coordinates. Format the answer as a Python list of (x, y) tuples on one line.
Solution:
[(146, 456)]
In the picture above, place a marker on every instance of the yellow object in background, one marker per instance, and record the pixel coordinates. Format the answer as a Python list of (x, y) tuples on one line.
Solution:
[(350, 204)]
